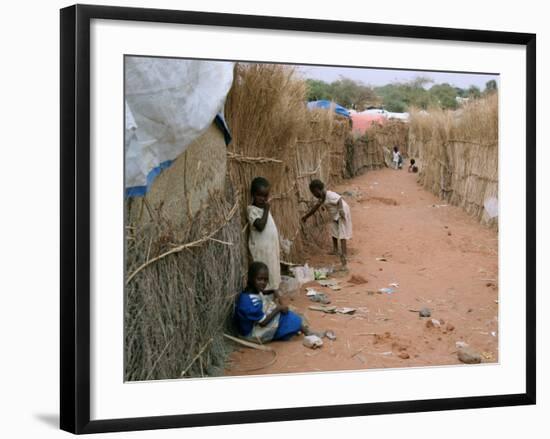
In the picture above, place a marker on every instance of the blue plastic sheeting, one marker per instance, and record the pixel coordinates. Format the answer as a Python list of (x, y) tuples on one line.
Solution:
[(140, 191), (338, 109)]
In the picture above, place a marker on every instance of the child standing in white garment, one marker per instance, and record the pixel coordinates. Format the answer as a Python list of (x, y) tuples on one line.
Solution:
[(339, 211), (263, 241), (397, 158)]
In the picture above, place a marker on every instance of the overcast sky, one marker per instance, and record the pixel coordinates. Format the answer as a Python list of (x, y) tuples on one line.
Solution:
[(377, 77)]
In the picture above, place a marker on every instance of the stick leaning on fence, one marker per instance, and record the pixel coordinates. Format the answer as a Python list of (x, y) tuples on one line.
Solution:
[(195, 243)]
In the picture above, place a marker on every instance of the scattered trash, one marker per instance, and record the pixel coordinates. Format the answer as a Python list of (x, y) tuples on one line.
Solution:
[(386, 290), (327, 282), (357, 279), (424, 312), (335, 287), (322, 273), (288, 285), (303, 274), (312, 341), (461, 344), (323, 308), (319, 297), (394, 284), (433, 323), (345, 310), (493, 333), (469, 356), (330, 335), (491, 207), (311, 292)]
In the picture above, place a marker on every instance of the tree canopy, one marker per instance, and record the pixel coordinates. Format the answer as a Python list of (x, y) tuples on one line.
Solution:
[(395, 97)]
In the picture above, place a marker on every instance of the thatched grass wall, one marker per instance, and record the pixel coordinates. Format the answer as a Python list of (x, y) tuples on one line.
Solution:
[(275, 136), (371, 150), (458, 154), (183, 267)]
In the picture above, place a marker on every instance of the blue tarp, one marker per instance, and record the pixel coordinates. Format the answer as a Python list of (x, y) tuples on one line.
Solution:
[(338, 109), (140, 191)]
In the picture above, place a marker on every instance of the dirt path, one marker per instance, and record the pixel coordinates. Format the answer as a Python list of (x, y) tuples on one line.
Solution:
[(441, 259)]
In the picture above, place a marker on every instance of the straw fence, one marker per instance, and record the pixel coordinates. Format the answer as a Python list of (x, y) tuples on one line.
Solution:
[(275, 136), (457, 154)]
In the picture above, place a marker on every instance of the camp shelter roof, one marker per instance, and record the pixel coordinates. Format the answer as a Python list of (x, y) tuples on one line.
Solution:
[(338, 109)]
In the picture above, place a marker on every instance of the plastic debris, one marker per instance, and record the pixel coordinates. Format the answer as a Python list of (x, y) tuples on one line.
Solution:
[(327, 282), (312, 341), (491, 207), (323, 308), (319, 297), (303, 274), (330, 335), (288, 285), (345, 310), (386, 290)]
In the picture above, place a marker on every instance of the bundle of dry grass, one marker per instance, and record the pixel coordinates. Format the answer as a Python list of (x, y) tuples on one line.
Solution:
[(183, 267), (369, 151), (458, 154), (275, 136)]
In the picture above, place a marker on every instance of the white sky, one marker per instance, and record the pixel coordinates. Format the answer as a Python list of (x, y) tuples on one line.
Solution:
[(376, 77)]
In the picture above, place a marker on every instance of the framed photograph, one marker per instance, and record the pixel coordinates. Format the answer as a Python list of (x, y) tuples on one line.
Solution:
[(274, 218)]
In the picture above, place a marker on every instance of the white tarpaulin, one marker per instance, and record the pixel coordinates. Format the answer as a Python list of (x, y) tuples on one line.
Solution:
[(169, 103)]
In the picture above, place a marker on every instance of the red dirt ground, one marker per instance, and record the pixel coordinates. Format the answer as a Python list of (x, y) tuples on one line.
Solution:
[(440, 257)]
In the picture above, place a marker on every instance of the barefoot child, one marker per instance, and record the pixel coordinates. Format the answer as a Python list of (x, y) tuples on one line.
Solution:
[(263, 241), (397, 158), (260, 316), (339, 212)]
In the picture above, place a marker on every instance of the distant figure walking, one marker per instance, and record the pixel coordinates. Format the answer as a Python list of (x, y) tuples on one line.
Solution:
[(397, 158), (412, 166)]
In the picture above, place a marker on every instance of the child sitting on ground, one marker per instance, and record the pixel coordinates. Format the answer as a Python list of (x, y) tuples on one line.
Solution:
[(397, 158), (263, 241), (260, 316), (340, 214), (412, 166)]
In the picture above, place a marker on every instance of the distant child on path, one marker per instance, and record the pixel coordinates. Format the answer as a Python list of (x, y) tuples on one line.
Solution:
[(260, 316), (397, 159), (263, 241), (412, 166), (339, 212)]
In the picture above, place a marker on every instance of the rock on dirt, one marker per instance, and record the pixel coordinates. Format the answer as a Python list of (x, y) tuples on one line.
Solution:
[(425, 312), (404, 355), (433, 323), (468, 355)]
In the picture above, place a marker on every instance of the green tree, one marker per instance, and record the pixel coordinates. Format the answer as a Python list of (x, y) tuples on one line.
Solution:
[(474, 92), (445, 95)]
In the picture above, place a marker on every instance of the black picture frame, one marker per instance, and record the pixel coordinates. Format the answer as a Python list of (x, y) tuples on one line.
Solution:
[(75, 217)]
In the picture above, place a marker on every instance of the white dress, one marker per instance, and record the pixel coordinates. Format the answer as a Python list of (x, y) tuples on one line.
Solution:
[(340, 227), (264, 245)]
